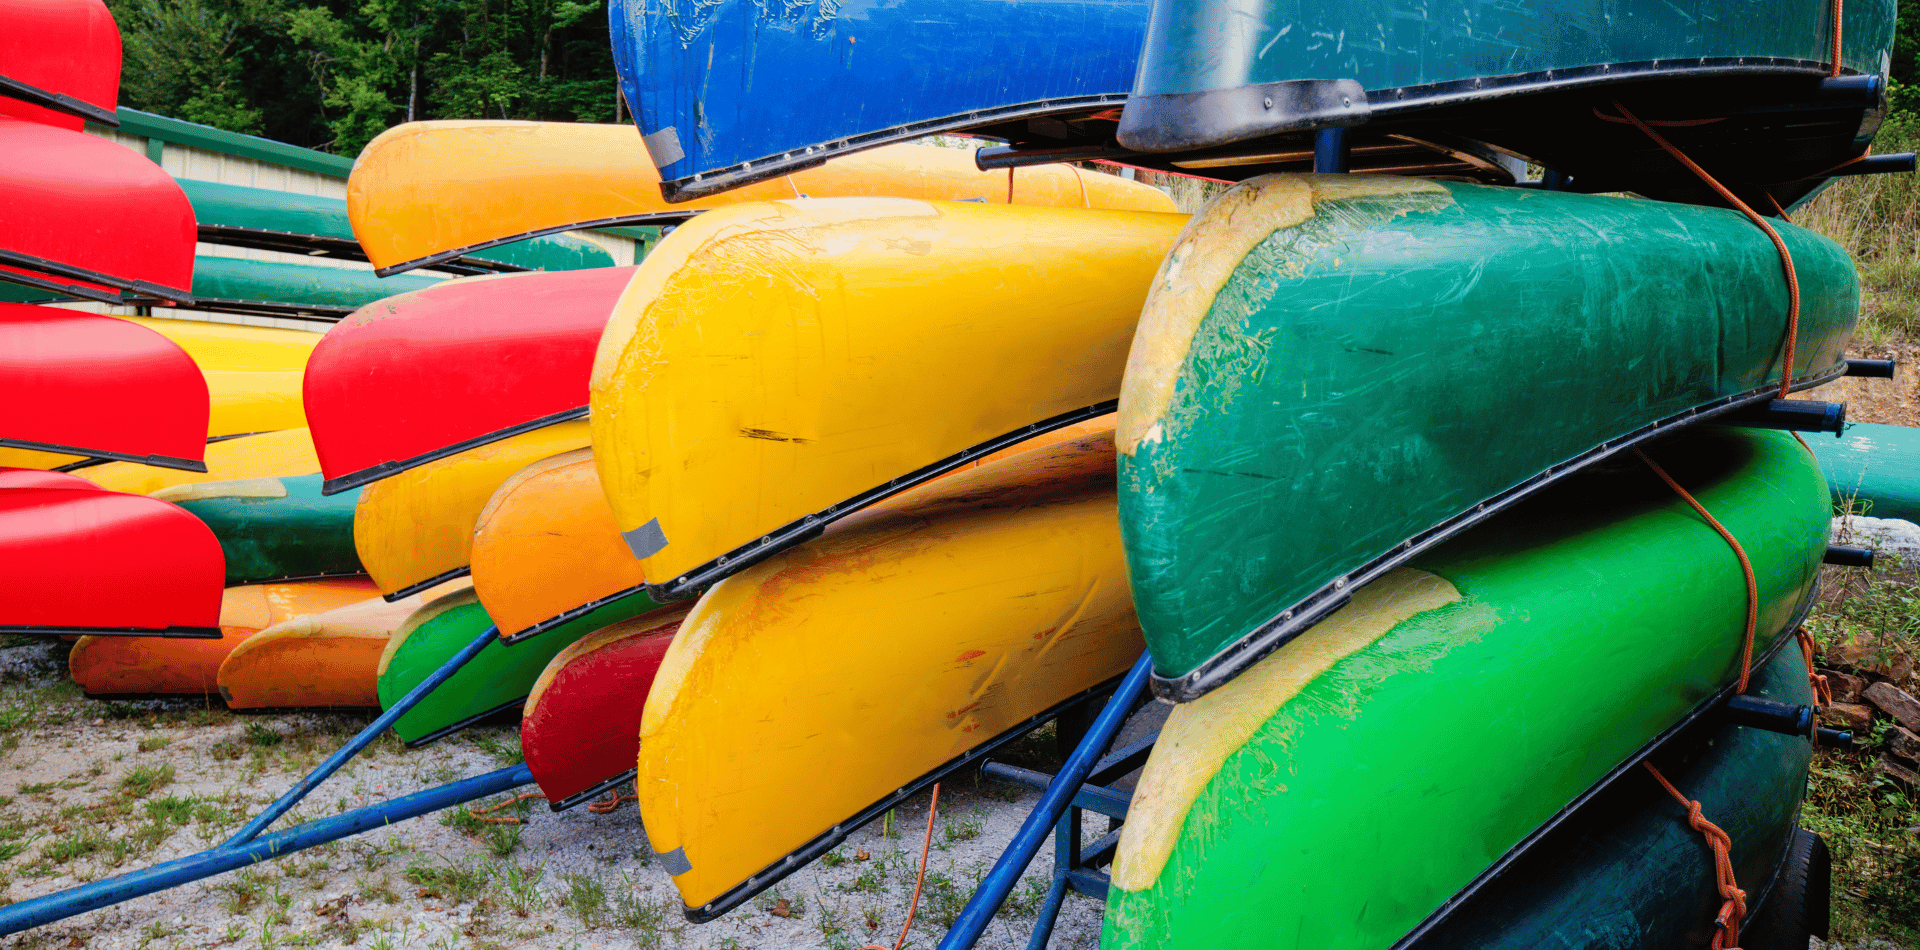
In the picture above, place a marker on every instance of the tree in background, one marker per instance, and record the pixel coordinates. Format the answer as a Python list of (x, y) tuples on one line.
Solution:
[(333, 74)]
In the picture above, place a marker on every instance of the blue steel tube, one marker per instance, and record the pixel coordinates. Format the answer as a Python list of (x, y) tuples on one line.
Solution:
[(1054, 802), (45, 910), (361, 741)]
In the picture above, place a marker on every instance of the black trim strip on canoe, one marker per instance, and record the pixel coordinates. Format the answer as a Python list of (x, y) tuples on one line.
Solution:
[(331, 313), (595, 791), (445, 731), (433, 581), (91, 462), (365, 476), (57, 269), (99, 456), (714, 182), (832, 837), (573, 613), (1700, 713), (319, 245), (1260, 642), (288, 578), (58, 102), (803, 529), (173, 632), (630, 220), (62, 292)]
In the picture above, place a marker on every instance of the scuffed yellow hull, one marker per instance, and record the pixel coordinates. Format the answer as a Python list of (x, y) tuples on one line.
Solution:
[(547, 544), (267, 455), (418, 525), (770, 360), (427, 187), (871, 656)]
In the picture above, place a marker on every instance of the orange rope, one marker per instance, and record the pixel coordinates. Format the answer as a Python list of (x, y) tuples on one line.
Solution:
[(1733, 900), (1778, 211), (1839, 7), (1822, 691), (517, 799), (611, 802), (1786, 256), (1746, 567), (1664, 123), (925, 849)]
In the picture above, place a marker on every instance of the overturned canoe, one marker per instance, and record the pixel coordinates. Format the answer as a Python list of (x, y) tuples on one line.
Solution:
[(59, 62), (274, 528), (546, 552), (415, 530), (795, 399), (431, 374), (264, 455), (1407, 730), (999, 594), (1873, 470), (39, 478), (118, 666), (80, 561), (99, 386), (91, 217), (329, 658), (424, 192), (1304, 412), (580, 731)]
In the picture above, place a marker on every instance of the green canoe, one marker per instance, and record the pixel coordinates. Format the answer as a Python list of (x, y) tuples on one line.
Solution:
[(1625, 871), (1333, 373), (494, 682), (269, 288), (1348, 785), (1874, 469), (275, 528)]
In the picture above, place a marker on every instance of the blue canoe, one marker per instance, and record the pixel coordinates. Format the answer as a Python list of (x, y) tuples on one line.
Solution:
[(1874, 469)]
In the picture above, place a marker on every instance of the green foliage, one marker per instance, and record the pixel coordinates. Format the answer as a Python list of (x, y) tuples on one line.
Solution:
[(333, 74)]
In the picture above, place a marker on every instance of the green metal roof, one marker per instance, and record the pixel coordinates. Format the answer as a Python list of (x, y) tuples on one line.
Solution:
[(195, 135)]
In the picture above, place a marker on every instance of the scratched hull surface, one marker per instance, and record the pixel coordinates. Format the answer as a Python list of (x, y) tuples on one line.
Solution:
[(326, 658), (274, 528), (1303, 410), (581, 727), (998, 593), (1610, 570), (786, 399), (1873, 469)]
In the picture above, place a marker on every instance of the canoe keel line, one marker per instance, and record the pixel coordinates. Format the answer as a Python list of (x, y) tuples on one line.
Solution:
[(648, 539)]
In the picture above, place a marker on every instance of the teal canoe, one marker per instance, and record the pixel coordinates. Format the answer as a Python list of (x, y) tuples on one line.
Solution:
[(275, 528), (1625, 871), (269, 288), (495, 682), (1347, 786), (1334, 373), (1873, 469)]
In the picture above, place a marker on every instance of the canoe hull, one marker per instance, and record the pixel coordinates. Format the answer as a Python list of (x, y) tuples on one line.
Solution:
[(275, 528), (99, 386), (1874, 470), (581, 730), (80, 561)]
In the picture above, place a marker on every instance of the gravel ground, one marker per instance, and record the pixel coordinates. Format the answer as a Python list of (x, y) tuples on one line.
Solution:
[(90, 789)]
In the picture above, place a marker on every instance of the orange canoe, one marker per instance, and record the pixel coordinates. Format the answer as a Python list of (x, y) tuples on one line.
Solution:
[(325, 659)]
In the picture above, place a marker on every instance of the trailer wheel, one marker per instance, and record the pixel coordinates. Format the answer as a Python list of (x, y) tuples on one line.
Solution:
[(1800, 905)]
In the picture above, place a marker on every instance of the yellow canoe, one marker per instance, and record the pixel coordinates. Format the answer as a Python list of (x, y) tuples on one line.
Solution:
[(769, 362), (253, 380), (546, 545), (267, 455), (877, 655), (426, 188), (415, 529), (324, 659), (142, 665)]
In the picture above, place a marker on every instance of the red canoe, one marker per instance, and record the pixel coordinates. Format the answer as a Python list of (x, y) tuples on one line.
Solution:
[(86, 384), (40, 478), (436, 372), (580, 728), (88, 217), (101, 562), (59, 62)]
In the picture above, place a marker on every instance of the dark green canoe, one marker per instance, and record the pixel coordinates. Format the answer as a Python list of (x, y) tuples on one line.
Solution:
[(275, 528), (1873, 469), (1334, 373), (1347, 786), (494, 682)]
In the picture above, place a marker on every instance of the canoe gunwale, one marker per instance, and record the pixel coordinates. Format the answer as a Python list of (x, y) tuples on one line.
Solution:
[(55, 268), (831, 838), (440, 260), (572, 614), (367, 476), (101, 456), (808, 527), (332, 248), (57, 101), (171, 633), (290, 578), (1702, 713), (434, 581), (706, 184), (445, 731), (594, 791), (1292, 621)]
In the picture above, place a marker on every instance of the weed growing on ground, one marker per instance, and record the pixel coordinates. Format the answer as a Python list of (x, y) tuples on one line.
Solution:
[(154, 743), (1026, 900), (586, 896), (962, 829), (454, 884), (505, 751), (263, 735), (247, 887), (522, 886), (650, 920), (146, 779)]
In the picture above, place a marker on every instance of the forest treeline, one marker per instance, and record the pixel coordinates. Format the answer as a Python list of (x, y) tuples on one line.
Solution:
[(331, 75)]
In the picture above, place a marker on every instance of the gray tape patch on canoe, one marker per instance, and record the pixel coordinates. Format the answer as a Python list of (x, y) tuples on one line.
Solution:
[(664, 147), (674, 861), (646, 540)]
